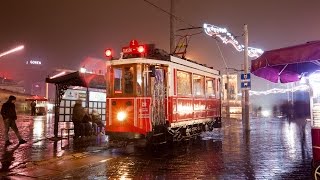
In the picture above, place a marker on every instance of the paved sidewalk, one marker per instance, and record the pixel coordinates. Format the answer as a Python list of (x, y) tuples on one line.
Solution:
[(39, 150)]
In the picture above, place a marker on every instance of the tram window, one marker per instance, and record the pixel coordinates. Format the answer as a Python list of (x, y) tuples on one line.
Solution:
[(128, 80), (117, 80), (210, 88), (139, 80), (183, 83), (198, 85)]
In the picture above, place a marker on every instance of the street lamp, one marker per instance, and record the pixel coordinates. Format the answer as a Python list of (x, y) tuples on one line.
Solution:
[(12, 50)]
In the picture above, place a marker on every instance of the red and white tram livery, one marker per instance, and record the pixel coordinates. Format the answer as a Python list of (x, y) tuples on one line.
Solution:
[(154, 94)]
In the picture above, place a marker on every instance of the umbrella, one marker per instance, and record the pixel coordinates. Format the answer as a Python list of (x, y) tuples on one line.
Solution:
[(288, 64), (36, 98)]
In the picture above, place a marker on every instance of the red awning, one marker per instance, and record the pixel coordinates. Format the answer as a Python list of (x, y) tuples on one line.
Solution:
[(37, 98)]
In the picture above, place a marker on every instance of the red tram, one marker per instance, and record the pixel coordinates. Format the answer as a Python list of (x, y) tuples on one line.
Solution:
[(163, 97)]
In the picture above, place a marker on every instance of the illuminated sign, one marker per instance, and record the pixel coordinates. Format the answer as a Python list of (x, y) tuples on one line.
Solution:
[(33, 62), (134, 48)]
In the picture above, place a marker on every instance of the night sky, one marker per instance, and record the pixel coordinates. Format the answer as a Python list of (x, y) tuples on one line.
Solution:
[(61, 33)]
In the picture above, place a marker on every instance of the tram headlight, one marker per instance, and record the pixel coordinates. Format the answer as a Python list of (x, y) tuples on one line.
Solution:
[(121, 116)]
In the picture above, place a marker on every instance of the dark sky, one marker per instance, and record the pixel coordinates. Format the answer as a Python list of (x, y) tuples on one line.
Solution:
[(61, 33)]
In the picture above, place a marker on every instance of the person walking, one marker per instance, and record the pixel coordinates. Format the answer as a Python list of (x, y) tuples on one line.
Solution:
[(33, 108), (9, 115)]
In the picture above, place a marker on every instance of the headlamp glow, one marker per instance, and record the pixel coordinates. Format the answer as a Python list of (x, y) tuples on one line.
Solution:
[(121, 116)]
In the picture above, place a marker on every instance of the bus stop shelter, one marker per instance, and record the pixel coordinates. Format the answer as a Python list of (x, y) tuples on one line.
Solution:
[(75, 79)]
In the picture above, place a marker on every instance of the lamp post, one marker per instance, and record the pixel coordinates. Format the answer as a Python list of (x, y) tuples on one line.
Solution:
[(245, 92), (12, 50)]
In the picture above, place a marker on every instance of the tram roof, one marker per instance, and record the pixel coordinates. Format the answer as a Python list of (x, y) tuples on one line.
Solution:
[(173, 60), (80, 79)]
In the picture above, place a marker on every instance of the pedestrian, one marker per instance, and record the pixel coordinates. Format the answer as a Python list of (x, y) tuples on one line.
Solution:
[(86, 122), (33, 108), (77, 116), (9, 115), (96, 121)]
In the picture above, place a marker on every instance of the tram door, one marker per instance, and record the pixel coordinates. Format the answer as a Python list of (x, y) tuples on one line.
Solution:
[(157, 84)]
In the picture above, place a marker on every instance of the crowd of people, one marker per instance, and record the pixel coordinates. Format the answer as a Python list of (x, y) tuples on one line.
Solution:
[(85, 124)]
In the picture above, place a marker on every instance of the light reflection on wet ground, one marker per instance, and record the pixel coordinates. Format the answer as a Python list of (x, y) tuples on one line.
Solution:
[(37, 131), (274, 149)]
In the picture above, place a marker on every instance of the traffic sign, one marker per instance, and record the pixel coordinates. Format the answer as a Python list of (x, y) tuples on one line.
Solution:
[(245, 85), (245, 77)]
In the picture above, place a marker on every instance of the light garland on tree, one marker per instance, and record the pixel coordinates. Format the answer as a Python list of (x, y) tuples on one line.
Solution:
[(227, 38)]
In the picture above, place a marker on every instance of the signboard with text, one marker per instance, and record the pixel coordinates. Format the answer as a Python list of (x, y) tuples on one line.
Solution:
[(245, 81)]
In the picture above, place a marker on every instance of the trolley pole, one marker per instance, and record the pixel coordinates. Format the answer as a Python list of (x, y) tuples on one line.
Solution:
[(246, 71)]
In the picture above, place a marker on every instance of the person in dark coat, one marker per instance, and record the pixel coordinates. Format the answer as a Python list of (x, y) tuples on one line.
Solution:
[(77, 116), (9, 115), (86, 122), (33, 108)]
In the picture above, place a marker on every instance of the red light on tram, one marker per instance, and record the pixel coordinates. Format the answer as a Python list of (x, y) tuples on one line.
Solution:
[(141, 49), (108, 53)]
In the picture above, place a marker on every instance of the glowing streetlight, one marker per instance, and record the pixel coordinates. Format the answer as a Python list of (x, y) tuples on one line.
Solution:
[(12, 50)]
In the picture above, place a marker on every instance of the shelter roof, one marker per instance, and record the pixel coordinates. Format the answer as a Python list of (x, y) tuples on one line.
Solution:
[(80, 79)]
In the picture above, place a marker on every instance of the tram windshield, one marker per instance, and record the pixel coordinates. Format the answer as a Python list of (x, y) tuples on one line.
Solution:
[(126, 80)]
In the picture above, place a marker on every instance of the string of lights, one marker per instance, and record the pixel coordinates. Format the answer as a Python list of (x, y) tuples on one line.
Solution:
[(279, 90), (227, 38)]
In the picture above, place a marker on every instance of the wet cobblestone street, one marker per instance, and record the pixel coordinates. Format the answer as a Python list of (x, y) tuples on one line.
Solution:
[(275, 149)]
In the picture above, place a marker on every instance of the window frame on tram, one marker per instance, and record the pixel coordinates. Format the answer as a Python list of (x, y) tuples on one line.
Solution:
[(202, 85), (122, 91), (214, 90), (179, 81)]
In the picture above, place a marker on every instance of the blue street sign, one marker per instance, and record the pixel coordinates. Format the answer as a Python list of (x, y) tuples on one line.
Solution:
[(245, 85), (245, 77)]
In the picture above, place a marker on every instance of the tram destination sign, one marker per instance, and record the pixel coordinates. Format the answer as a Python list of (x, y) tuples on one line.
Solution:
[(134, 48)]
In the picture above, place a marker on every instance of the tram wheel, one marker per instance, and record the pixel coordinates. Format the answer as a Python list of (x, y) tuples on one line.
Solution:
[(315, 165), (317, 173)]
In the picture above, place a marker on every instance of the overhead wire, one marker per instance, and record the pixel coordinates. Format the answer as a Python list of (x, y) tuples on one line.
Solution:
[(167, 12), (192, 26)]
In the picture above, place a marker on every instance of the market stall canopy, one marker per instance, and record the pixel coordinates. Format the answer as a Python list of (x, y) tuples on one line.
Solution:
[(80, 79), (36, 98), (288, 64)]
